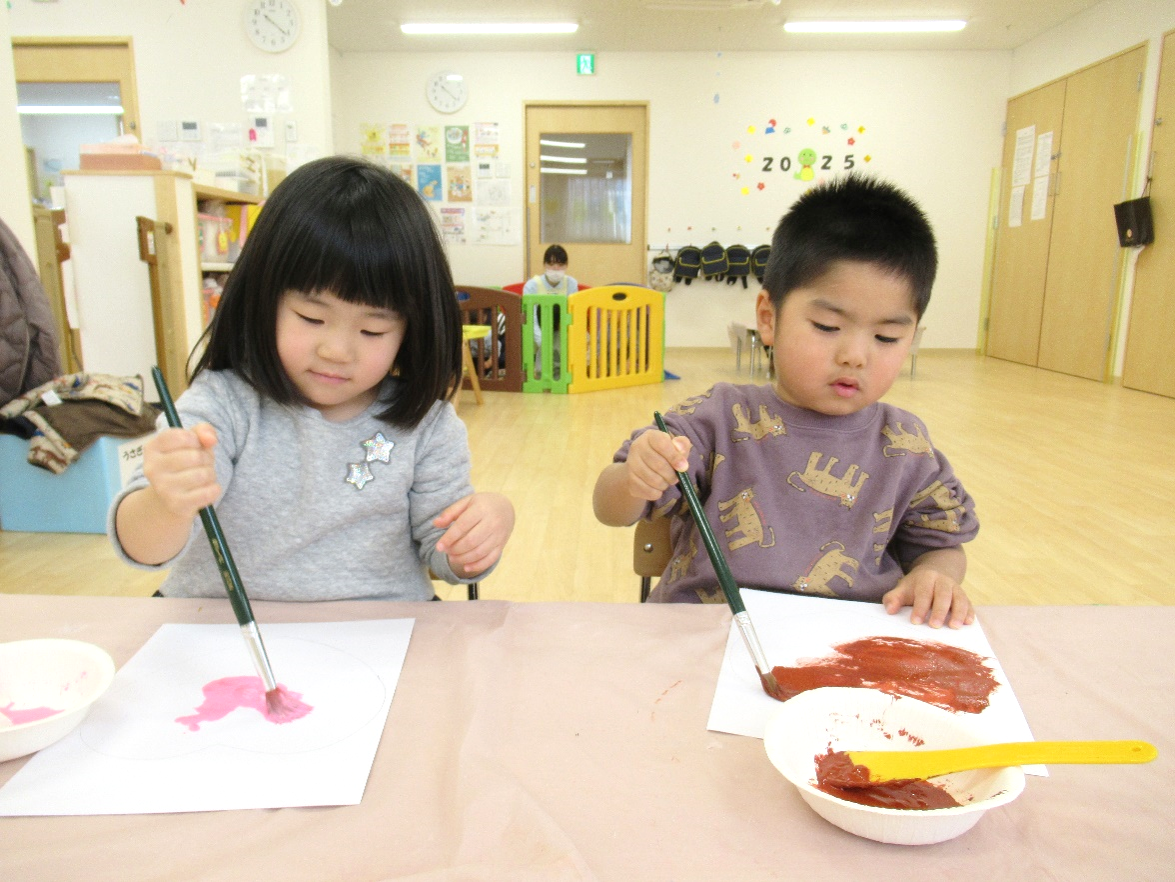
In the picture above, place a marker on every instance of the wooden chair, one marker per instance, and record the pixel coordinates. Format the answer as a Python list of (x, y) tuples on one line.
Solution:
[(499, 309), (651, 551), (471, 587)]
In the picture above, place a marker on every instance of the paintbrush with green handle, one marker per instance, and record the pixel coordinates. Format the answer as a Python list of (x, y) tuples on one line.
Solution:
[(726, 580), (228, 573)]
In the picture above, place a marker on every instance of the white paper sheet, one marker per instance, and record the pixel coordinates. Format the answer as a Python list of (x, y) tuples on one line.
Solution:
[(792, 628), (130, 756)]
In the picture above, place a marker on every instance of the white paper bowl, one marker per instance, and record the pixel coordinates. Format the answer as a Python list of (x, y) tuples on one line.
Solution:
[(65, 675), (866, 719)]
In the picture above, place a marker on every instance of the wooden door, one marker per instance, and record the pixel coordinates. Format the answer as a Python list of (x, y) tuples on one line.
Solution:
[(1084, 268), (1150, 357), (81, 60), (619, 149), (1022, 244)]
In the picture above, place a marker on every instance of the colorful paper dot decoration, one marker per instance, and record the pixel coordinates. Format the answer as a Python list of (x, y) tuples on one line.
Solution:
[(868, 157), (825, 129), (770, 130), (716, 98), (860, 130), (844, 126), (737, 176), (735, 145), (750, 130), (748, 157), (811, 121), (787, 130), (852, 141), (762, 186)]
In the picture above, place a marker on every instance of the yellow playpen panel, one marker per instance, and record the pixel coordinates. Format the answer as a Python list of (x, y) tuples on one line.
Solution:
[(616, 337)]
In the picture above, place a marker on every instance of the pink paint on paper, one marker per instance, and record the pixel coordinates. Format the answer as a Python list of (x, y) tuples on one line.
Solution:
[(19, 715), (223, 696)]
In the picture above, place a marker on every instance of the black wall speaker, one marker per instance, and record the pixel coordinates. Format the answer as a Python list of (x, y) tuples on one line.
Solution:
[(1136, 226)]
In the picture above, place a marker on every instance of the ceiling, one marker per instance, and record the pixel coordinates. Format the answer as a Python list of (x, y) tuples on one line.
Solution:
[(689, 25)]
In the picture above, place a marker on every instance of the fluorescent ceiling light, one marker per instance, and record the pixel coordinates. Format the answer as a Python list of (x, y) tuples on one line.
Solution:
[(67, 109), (581, 160), (872, 27), (570, 145), (493, 28), (562, 171)]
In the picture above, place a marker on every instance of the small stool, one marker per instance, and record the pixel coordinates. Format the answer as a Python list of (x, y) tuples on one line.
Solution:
[(472, 332)]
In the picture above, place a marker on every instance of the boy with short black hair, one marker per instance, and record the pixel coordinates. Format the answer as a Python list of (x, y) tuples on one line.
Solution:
[(812, 484)]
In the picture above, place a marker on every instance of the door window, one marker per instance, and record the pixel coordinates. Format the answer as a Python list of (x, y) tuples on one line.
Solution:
[(585, 187)]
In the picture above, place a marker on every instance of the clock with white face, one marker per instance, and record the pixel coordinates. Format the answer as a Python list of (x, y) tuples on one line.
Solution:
[(446, 91), (272, 25)]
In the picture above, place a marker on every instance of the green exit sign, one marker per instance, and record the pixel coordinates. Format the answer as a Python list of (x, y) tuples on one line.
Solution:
[(585, 63)]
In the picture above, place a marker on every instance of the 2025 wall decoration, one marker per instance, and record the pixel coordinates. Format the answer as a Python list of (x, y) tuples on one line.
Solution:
[(798, 155)]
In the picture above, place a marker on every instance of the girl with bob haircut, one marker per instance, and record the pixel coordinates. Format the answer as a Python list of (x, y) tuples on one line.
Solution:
[(316, 417)]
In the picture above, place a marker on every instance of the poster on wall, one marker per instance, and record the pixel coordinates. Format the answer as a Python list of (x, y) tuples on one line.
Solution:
[(456, 143), (459, 180), (400, 140), (495, 226), (493, 192), (371, 140), (428, 144), (428, 182), (402, 170), (773, 155), (486, 140), (453, 225)]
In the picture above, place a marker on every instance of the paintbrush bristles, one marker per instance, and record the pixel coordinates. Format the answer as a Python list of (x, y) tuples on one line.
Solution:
[(275, 704)]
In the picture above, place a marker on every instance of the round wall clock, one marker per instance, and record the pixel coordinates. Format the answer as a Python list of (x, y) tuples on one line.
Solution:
[(272, 25), (446, 91)]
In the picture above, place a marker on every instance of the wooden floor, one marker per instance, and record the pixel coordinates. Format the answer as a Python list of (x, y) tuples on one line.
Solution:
[(1074, 483)]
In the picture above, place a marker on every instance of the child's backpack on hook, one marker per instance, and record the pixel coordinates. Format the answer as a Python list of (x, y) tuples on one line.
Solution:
[(714, 265), (738, 261), (688, 264), (759, 261), (661, 272)]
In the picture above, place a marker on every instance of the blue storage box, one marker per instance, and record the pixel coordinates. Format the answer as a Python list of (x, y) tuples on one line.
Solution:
[(34, 500)]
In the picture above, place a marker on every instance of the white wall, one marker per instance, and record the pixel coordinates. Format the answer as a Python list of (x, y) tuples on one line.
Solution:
[(932, 125), (190, 57), (15, 208)]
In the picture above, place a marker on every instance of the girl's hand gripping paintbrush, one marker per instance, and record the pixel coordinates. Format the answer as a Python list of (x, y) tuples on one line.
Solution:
[(229, 574), (726, 580)]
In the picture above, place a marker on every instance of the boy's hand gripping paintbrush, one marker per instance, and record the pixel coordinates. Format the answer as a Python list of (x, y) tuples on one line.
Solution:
[(725, 579), (228, 573)]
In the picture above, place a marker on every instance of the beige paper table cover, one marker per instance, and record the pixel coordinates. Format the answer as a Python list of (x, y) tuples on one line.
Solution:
[(553, 741)]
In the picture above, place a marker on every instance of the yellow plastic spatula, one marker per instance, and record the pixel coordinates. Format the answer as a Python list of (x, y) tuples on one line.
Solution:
[(890, 765)]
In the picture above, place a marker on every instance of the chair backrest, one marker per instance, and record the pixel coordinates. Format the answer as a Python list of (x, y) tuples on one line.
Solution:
[(651, 551), (616, 338), (500, 309)]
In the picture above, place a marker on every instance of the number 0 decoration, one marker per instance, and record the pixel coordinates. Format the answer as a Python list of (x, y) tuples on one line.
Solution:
[(807, 153)]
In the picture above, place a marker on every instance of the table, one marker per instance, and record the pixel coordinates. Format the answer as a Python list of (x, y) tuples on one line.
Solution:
[(550, 741)]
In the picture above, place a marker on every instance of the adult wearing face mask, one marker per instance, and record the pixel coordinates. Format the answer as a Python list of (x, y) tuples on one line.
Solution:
[(552, 280)]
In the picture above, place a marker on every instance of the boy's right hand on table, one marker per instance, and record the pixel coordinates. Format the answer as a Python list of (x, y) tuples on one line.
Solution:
[(181, 467), (654, 459)]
